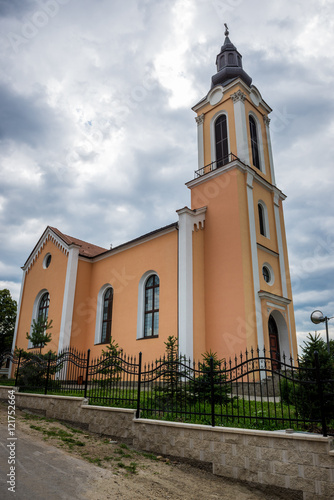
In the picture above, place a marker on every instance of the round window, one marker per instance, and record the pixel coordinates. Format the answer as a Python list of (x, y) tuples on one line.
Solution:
[(266, 274), (47, 260)]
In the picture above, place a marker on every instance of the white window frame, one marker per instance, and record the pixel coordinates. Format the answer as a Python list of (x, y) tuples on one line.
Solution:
[(99, 313), (141, 303)]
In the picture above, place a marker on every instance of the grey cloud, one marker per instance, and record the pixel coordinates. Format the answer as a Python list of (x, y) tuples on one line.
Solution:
[(26, 119)]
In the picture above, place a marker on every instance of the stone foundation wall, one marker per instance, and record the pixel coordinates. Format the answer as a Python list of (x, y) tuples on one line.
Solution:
[(295, 461), (117, 422)]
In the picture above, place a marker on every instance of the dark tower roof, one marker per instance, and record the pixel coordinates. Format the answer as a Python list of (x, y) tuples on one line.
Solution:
[(229, 64)]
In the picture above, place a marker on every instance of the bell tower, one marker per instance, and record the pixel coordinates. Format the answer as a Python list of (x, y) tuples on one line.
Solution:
[(240, 273)]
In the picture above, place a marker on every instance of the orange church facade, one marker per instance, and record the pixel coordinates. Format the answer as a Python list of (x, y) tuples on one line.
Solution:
[(217, 278)]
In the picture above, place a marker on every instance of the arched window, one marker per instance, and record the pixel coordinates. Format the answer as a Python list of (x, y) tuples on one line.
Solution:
[(261, 220), (107, 316), (151, 314), (43, 307), (221, 141), (254, 142), (40, 310)]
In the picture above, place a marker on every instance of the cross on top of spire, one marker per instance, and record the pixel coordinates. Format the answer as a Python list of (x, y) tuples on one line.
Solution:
[(226, 30)]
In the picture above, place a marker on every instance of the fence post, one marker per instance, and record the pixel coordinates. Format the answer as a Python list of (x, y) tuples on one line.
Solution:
[(18, 366), (139, 386), (47, 374), (321, 394), (212, 393), (86, 378)]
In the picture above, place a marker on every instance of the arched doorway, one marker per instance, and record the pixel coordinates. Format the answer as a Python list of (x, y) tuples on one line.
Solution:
[(274, 343)]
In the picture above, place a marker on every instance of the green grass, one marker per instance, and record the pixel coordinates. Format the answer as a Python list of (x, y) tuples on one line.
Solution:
[(7, 382), (238, 413)]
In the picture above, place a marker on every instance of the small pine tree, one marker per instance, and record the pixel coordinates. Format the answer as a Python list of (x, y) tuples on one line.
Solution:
[(202, 384), (39, 336), (111, 362), (34, 367), (171, 370), (307, 393)]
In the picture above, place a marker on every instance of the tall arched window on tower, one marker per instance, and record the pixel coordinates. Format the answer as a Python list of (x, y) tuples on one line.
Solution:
[(254, 142), (151, 316), (261, 220), (221, 141), (107, 316)]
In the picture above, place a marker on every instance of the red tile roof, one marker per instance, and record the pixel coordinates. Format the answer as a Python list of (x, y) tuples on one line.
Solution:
[(86, 249)]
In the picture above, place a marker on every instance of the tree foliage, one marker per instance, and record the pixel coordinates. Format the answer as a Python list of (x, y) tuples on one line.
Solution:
[(8, 309), (111, 364), (207, 384), (39, 336), (33, 367), (308, 397)]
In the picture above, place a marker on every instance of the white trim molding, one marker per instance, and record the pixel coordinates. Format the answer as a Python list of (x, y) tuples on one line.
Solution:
[(200, 139), (48, 235), (255, 263), (188, 219), (280, 245), (68, 301), (241, 126), (271, 159)]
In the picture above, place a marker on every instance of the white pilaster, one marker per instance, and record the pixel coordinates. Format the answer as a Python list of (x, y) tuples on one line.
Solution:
[(280, 245), (255, 262), (17, 319), (200, 140), (68, 301), (187, 220), (241, 126), (271, 159)]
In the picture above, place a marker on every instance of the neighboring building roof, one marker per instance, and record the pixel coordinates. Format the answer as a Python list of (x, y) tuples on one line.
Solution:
[(86, 249)]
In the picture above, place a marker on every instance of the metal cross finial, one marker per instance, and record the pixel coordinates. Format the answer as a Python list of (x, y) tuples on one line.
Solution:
[(226, 30)]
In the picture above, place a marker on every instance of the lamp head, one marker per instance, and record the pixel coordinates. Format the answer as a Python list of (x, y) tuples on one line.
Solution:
[(317, 317)]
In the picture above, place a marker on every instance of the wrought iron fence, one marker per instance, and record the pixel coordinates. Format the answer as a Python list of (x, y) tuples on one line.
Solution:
[(253, 390)]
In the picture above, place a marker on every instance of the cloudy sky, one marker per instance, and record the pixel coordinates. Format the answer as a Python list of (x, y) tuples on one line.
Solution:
[(98, 138)]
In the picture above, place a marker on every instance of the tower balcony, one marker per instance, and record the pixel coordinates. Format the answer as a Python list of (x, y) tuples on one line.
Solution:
[(222, 162)]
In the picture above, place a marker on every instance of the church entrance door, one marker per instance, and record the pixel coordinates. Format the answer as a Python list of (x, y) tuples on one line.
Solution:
[(274, 343)]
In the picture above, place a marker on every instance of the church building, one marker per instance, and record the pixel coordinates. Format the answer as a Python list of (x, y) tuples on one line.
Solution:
[(217, 278)]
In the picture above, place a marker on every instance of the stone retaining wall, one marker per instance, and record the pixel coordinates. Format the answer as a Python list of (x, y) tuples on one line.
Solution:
[(295, 461)]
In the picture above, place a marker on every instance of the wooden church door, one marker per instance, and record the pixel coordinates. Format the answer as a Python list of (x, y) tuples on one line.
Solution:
[(274, 343)]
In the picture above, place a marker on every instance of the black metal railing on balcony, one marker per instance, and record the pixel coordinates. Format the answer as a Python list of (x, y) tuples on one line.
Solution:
[(216, 164)]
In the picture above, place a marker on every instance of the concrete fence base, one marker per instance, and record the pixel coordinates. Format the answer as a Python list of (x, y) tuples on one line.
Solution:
[(294, 461)]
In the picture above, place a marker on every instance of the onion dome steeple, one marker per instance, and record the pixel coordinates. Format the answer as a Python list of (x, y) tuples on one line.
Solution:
[(229, 64)]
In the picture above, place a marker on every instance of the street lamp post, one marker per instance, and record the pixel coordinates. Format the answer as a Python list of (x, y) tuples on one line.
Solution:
[(316, 318)]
